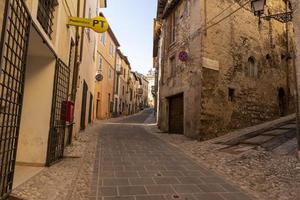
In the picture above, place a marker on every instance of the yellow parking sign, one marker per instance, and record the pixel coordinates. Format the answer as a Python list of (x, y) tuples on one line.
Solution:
[(98, 24)]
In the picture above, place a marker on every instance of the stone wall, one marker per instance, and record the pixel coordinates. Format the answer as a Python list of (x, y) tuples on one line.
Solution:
[(231, 44), (182, 77), (219, 64)]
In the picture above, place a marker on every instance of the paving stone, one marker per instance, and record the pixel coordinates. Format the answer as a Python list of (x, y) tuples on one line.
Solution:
[(126, 174), (107, 191), (180, 197), (160, 189), (115, 181), (106, 174), (187, 188), (208, 197), (235, 196), (172, 173), (190, 180), (194, 173), (141, 181), (150, 197), (119, 198), (211, 188), (143, 167), (166, 180), (149, 173), (132, 190)]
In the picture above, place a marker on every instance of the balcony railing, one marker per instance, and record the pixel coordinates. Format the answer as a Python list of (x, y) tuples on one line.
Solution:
[(45, 15)]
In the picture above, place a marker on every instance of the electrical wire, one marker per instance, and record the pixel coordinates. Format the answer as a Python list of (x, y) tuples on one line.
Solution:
[(227, 16), (221, 12)]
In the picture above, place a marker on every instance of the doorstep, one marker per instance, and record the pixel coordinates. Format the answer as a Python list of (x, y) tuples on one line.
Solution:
[(24, 173)]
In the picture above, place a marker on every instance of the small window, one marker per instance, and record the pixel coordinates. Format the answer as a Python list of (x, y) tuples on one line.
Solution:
[(187, 8), (172, 66), (231, 94), (268, 57), (173, 23), (103, 38), (252, 68), (100, 64), (111, 49), (109, 73)]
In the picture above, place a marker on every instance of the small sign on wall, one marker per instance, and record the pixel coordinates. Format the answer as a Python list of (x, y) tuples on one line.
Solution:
[(211, 64), (98, 24), (183, 56)]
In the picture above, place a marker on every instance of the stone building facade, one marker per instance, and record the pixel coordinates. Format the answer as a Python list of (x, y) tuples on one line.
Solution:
[(219, 69), (121, 105), (151, 94)]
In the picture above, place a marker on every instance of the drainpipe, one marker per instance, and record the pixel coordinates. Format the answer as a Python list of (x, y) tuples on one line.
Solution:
[(76, 65), (82, 33)]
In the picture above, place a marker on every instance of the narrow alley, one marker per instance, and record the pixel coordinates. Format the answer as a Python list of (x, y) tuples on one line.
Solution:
[(133, 164)]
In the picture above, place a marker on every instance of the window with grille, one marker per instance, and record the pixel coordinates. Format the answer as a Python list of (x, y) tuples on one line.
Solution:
[(45, 15)]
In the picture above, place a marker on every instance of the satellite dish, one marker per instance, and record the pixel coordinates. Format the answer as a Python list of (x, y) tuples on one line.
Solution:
[(99, 77)]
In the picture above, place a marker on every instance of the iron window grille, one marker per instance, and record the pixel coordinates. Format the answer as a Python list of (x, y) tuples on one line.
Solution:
[(13, 53), (45, 15)]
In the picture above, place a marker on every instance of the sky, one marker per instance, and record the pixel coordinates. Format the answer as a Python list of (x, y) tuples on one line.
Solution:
[(132, 23)]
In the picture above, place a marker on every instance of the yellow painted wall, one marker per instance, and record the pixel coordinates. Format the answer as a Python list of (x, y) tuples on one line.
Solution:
[(34, 129), (105, 87), (87, 69), (123, 83)]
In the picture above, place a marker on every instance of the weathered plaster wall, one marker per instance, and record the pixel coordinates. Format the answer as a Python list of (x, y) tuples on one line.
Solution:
[(183, 77)]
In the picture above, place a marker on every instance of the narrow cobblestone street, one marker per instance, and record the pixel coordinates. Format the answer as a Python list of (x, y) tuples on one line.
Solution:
[(133, 164)]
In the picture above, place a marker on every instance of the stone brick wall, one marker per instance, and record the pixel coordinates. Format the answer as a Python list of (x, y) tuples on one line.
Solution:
[(231, 44), (219, 61)]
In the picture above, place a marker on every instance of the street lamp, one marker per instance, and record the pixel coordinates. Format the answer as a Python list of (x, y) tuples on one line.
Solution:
[(258, 7)]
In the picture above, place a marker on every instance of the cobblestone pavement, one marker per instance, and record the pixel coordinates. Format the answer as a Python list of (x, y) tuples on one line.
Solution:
[(132, 164)]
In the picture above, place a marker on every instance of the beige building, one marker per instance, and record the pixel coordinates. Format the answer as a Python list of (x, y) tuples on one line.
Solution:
[(106, 58), (46, 68), (143, 90), (121, 105), (131, 94), (151, 88), (214, 77)]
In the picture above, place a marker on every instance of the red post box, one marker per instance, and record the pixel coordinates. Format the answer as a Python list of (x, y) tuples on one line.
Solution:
[(67, 111)]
